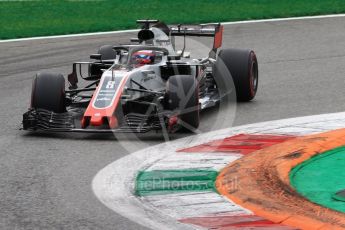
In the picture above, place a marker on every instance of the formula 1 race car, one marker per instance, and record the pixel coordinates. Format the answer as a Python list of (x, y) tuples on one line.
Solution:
[(144, 85)]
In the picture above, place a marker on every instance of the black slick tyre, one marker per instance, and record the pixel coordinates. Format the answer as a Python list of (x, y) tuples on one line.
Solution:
[(107, 52), (48, 92), (243, 66), (183, 97)]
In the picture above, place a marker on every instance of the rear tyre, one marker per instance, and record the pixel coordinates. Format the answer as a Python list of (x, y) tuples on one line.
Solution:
[(243, 66), (48, 92), (183, 97)]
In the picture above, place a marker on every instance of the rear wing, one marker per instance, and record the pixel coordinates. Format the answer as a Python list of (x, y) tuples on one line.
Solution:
[(214, 30), (202, 30)]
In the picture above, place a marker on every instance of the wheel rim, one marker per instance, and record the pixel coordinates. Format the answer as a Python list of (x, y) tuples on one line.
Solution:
[(254, 78)]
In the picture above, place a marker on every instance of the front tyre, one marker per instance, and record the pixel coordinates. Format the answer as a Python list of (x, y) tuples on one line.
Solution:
[(183, 97), (243, 66), (48, 92), (107, 52)]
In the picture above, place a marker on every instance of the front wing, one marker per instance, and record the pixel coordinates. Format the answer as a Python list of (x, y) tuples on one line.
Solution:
[(44, 120)]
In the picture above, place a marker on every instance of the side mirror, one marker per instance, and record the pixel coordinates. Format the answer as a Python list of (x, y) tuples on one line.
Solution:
[(174, 57), (135, 40), (96, 56)]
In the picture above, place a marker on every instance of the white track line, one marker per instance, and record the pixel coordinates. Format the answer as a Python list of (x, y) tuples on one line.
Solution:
[(114, 185), (68, 36), (285, 19), (135, 30)]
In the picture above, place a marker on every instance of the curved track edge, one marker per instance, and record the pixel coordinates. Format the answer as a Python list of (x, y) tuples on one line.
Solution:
[(114, 185), (265, 184)]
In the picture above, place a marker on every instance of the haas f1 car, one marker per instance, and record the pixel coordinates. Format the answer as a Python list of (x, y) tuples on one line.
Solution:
[(144, 85)]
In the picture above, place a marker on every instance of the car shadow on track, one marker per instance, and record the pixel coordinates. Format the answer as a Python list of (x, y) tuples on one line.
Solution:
[(151, 136)]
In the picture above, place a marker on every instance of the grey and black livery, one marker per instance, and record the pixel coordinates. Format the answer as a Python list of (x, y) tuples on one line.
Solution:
[(120, 95)]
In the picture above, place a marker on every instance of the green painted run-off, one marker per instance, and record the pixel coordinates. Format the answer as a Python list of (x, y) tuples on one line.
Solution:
[(320, 177), (169, 181)]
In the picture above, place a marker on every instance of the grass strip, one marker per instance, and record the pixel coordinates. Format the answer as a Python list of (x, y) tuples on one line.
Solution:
[(20, 19)]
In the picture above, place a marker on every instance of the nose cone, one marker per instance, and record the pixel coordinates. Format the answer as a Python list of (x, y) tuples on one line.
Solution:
[(105, 101)]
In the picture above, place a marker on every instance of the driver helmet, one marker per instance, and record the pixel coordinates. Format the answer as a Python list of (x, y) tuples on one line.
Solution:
[(143, 57)]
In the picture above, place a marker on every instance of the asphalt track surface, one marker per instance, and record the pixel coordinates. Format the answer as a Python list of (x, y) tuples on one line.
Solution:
[(45, 179)]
